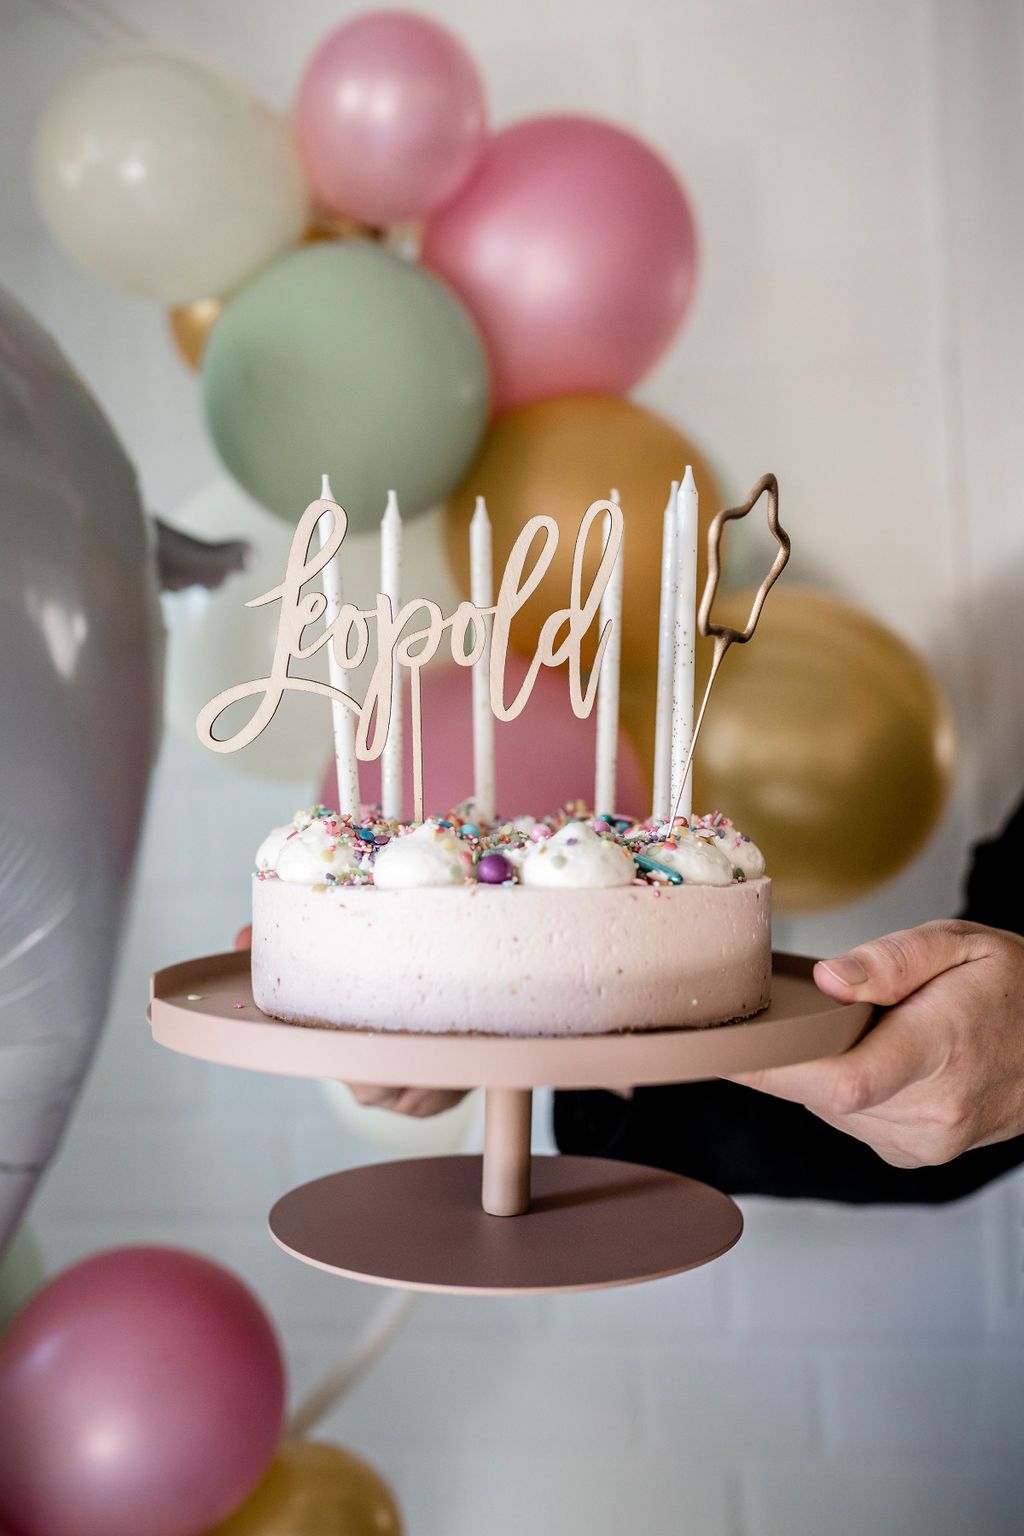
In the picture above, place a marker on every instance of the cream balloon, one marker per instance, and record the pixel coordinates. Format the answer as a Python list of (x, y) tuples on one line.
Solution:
[(405, 1135), (166, 177), (216, 641)]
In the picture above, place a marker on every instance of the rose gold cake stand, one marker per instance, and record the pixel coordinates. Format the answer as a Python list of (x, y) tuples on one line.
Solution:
[(433, 1224)]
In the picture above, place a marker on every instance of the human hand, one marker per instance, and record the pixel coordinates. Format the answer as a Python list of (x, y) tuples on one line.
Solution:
[(942, 1071), (419, 1102)]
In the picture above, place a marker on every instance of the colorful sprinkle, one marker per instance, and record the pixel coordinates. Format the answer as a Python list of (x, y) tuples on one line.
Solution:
[(653, 867), (494, 869)]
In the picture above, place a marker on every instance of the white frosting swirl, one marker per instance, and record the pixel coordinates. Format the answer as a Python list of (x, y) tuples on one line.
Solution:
[(743, 854), (322, 848), (576, 857), (268, 851), (698, 861), (738, 849), (430, 855)]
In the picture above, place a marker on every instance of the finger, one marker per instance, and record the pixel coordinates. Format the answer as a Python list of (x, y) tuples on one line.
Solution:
[(372, 1096), (895, 1054), (888, 969), (243, 938), (425, 1102)]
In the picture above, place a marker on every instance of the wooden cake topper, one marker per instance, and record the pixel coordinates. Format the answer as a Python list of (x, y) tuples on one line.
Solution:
[(722, 634), (409, 634)]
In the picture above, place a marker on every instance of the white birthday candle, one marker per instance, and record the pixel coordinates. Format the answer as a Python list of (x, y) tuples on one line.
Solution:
[(392, 792), (685, 639), (481, 581), (606, 768), (662, 792), (343, 719)]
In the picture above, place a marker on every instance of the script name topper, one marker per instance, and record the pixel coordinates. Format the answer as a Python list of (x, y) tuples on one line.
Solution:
[(410, 637)]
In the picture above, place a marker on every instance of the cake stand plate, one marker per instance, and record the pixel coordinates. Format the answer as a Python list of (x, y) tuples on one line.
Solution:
[(436, 1223), (204, 1008)]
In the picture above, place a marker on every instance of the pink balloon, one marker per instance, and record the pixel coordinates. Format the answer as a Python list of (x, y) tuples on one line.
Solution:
[(141, 1394), (390, 117), (574, 249), (544, 758)]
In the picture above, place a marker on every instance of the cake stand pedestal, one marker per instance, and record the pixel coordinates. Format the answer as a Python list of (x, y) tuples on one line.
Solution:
[(440, 1223)]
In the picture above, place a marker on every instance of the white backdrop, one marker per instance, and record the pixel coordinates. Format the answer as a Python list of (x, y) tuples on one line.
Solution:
[(855, 168)]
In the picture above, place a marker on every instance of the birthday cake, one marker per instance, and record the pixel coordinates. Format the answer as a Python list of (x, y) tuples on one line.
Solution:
[(575, 925)]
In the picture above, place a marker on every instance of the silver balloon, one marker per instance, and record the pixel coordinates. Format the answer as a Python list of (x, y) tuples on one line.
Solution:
[(82, 645)]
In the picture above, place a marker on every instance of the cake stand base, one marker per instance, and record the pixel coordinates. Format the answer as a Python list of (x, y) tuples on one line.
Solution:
[(591, 1223)]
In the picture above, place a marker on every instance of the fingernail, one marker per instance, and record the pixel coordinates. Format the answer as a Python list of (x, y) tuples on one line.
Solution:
[(847, 969)]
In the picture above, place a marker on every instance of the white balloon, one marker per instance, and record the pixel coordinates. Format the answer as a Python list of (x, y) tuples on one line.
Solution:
[(405, 1135), (215, 641), (166, 177)]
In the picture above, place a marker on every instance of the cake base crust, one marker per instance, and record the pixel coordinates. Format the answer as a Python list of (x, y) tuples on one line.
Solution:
[(485, 960)]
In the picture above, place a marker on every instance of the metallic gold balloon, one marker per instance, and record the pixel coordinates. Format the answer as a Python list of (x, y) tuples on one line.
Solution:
[(336, 226), (829, 742), (316, 1490), (190, 324), (556, 457)]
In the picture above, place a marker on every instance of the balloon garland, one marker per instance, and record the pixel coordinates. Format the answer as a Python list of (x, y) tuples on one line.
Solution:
[(169, 179), (467, 310)]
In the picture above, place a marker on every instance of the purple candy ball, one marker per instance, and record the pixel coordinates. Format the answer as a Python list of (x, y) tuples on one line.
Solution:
[(494, 869)]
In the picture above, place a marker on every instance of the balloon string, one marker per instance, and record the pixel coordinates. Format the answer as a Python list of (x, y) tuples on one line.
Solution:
[(382, 1327), (96, 20)]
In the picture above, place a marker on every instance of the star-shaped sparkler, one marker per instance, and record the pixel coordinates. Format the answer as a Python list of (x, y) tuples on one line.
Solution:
[(722, 634)]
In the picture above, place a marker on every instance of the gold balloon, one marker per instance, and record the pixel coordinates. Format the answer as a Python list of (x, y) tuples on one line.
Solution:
[(828, 741), (316, 1490), (557, 456), (331, 226), (190, 325)]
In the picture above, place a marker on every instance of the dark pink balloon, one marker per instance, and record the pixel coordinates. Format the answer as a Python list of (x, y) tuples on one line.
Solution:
[(390, 117), (574, 249), (141, 1394), (543, 758)]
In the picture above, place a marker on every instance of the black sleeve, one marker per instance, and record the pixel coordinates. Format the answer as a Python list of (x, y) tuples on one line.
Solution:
[(995, 892), (746, 1142)]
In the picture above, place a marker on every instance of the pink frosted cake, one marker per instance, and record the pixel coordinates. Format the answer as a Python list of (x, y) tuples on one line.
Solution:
[(575, 925)]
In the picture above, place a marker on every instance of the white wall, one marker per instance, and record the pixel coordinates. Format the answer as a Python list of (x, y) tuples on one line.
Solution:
[(856, 170)]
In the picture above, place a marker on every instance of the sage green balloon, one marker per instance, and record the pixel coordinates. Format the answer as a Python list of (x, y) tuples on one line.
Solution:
[(345, 359)]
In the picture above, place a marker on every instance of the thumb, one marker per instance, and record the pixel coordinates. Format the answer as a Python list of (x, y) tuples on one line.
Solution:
[(887, 970)]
